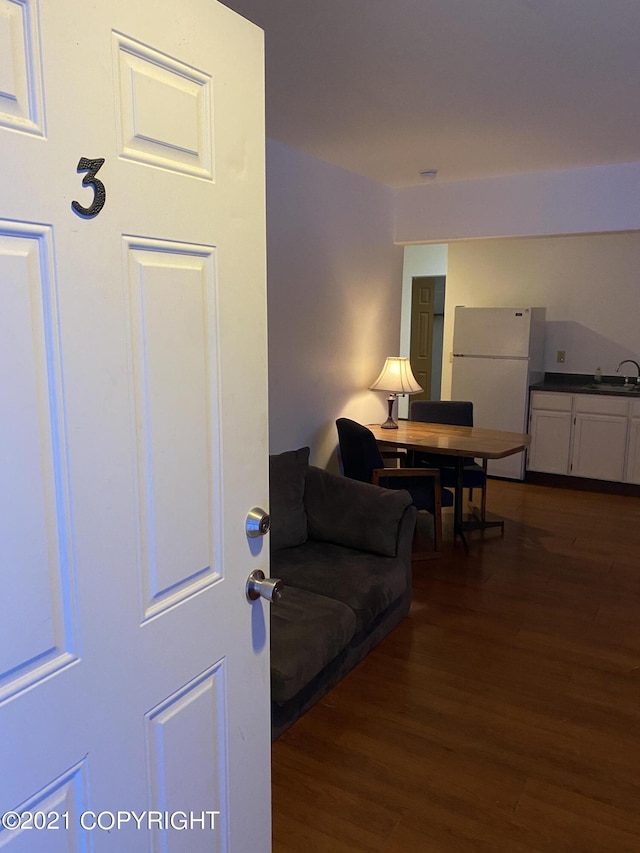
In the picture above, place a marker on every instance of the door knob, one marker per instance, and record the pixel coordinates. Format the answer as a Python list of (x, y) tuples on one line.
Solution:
[(258, 522), (269, 588)]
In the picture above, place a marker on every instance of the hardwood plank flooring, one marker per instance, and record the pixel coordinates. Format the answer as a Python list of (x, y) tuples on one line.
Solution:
[(503, 714)]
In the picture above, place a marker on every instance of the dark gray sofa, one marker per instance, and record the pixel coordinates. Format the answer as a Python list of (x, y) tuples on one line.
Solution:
[(343, 549)]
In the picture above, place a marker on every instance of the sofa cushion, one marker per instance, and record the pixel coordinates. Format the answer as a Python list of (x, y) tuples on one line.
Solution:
[(307, 632), (367, 583), (357, 515), (287, 473)]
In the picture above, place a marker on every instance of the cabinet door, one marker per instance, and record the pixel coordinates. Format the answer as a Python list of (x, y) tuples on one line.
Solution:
[(550, 441), (632, 473), (599, 444)]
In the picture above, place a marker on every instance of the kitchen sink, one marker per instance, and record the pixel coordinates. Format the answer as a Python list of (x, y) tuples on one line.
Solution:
[(609, 387)]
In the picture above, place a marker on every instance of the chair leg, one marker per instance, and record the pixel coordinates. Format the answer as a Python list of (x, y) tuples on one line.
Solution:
[(483, 502), (437, 522)]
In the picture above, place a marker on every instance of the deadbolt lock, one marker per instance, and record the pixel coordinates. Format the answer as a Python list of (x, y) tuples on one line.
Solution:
[(258, 522)]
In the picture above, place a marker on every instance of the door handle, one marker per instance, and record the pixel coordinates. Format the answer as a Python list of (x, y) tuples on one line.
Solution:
[(259, 586)]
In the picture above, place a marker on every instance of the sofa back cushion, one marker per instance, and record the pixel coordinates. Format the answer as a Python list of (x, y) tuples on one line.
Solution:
[(287, 474), (353, 514)]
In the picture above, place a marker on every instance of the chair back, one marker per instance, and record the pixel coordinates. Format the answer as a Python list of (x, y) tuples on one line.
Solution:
[(456, 412), (359, 450)]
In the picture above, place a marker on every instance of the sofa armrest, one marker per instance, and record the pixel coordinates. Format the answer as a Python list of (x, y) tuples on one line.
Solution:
[(354, 514)]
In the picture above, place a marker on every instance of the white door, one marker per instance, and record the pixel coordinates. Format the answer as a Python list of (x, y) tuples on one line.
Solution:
[(134, 674), (498, 389)]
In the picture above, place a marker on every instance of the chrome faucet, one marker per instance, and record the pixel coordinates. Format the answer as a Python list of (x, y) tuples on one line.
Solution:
[(626, 378)]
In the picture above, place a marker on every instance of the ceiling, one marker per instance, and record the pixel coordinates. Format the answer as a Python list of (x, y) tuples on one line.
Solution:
[(472, 88)]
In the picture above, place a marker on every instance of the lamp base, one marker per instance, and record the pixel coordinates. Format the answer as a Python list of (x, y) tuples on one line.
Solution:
[(390, 423)]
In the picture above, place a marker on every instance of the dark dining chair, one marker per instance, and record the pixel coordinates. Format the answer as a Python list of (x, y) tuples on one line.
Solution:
[(362, 460), (456, 413)]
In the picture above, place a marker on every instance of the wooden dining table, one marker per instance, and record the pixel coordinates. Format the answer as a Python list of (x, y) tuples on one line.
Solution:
[(456, 441)]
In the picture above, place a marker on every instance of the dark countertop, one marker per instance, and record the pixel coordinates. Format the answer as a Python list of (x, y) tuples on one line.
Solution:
[(582, 383)]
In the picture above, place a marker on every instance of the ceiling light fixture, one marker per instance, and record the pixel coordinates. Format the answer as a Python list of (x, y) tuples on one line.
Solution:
[(428, 174)]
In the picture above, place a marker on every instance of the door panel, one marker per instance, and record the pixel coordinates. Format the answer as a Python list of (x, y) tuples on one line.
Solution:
[(422, 310), (21, 95), (163, 109), (37, 630), (60, 804), (173, 333), (188, 717), (129, 458), (632, 472), (599, 445), (550, 441)]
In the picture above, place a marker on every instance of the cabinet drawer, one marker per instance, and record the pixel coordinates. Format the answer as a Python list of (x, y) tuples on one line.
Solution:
[(601, 405), (550, 401)]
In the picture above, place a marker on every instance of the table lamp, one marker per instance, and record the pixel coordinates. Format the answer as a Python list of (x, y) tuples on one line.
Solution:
[(396, 378)]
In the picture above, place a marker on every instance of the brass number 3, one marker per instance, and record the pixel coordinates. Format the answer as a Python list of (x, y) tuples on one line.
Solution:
[(91, 167)]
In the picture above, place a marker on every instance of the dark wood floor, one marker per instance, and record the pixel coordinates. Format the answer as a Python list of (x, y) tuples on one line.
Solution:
[(503, 714)]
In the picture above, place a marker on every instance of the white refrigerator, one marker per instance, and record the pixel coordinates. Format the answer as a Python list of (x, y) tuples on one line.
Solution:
[(497, 354)]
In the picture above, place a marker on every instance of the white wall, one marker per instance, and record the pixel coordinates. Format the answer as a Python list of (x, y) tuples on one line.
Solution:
[(572, 201), (418, 260), (336, 282), (588, 282), (590, 286), (334, 279)]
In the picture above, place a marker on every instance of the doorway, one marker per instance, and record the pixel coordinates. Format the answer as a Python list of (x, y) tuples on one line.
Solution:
[(427, 330)]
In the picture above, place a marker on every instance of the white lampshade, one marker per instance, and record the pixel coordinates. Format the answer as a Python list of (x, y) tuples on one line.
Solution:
[(396, 377)]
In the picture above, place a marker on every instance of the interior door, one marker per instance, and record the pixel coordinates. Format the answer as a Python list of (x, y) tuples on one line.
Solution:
[(422, 312), (134, 674)]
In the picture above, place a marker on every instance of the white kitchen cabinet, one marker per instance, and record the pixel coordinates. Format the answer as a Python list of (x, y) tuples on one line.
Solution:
[(632, 471), (585, 435), (599, 440), (550, 428)]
